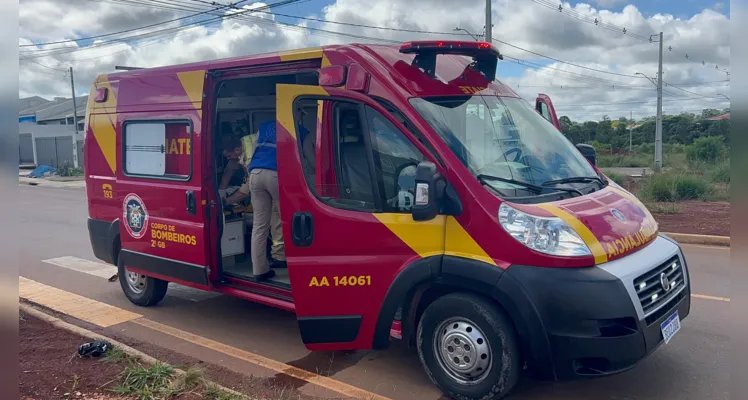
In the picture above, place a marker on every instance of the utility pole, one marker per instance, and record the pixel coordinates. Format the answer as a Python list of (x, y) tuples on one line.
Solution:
[(75, 122), (658, 129), (489, 25), (631, 128)]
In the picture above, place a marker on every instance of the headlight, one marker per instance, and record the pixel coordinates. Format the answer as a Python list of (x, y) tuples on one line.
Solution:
[(546, 235)]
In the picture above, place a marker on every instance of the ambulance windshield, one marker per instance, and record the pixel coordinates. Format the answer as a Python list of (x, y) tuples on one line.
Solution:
[(503, 138)]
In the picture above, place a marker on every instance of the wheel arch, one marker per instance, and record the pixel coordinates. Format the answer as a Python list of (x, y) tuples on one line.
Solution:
[(115, 242), (425, 280)]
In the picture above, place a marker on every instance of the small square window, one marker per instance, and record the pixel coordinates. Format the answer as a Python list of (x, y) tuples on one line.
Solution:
[(158, 149)]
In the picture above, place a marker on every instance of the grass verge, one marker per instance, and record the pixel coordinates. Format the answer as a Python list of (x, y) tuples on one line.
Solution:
[(160, 382), (671, 187), (668, 208)]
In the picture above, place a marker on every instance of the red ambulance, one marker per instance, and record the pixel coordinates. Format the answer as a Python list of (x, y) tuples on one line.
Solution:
[(423, 200)]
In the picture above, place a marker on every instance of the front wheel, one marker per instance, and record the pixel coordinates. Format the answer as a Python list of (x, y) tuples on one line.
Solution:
[(140, 289), (468, 347)]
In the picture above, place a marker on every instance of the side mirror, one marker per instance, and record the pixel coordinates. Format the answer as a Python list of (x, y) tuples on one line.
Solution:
[(429, 185), (588, 152)]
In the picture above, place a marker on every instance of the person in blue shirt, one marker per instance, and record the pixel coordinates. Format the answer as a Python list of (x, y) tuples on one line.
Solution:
[(262, 187)]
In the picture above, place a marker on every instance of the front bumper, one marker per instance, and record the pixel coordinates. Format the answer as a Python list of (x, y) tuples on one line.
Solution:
[(592, 319)]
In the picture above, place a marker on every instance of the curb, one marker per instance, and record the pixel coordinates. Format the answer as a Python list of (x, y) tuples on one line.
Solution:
[(33, 311), (687, 238), (22, 180)]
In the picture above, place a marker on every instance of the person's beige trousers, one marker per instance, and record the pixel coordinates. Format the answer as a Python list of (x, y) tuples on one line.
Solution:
[(263, 187)]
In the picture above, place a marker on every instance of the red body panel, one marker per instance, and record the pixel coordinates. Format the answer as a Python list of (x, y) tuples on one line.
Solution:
[(346, 243), (544, 99)]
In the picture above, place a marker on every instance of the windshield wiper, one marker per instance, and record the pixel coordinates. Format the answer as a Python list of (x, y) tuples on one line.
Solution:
[(574, 179), (482, 178)]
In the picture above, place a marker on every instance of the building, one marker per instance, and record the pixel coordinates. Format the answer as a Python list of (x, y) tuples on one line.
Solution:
[(719, 117), (47, 132)]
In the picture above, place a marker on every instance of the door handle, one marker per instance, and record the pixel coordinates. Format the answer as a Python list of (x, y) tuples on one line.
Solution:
[(191, 203), (302, 229)]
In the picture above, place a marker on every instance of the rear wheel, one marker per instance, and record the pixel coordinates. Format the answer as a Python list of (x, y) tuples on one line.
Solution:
[(469, 347), (140, 289)]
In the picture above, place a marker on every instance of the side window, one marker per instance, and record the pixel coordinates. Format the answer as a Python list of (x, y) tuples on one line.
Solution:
[(544, 111), (157, 149), (354, 158), (307, 129), (334, 153), (395, 161)]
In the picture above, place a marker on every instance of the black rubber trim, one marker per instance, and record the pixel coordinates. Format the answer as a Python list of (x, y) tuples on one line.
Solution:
[(99, 232), (169, 268), (470, 274), (256, 291), (334, 329), (411, 276)]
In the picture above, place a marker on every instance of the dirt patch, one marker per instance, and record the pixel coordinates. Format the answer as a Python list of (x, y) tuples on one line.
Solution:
[(695, 217), (51, 369)]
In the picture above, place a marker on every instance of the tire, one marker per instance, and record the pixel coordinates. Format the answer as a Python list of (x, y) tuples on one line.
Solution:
[(151, 290), (480, 327)]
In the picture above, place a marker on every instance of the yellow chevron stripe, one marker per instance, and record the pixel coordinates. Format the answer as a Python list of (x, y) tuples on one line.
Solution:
[(425, 237), (442, 235), (585, 233), (110, 105), (193, 82), (103, 130), (301, 54), (459, 243), (284, 99)]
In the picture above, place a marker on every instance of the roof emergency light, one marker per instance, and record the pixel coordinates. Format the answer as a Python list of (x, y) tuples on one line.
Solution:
[(485, 56)]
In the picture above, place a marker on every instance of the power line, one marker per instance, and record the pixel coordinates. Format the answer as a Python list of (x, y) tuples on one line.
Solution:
[(126, 30), (404, 30), (161, 32), (614, 28), (626, 102), (575, 75), (615, 87), (592, 20), (566, 62), (688, 91), (42, 65), (441, 33)]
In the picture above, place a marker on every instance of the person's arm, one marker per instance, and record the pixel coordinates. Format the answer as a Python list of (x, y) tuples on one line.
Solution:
[(240, 194), (232, 166)]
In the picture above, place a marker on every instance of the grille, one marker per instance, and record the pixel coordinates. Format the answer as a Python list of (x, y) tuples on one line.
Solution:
[(582, 206), (609, 198), (650, 289)]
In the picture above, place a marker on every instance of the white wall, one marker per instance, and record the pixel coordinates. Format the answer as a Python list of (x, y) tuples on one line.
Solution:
[(48, 130), (40, 131)]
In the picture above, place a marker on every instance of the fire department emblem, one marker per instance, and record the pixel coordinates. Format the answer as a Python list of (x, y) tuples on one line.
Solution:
[(135, 215), (619, 215)]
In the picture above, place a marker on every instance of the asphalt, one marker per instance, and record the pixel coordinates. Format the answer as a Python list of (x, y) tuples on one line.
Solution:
[(692, 366)]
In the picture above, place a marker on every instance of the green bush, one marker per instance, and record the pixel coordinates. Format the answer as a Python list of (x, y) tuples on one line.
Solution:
[(709, 149), (675, 187), (68, 170), (617, 178), (601, 148), (721, 173)]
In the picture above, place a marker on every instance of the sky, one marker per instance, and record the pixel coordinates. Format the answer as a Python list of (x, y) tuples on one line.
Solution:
[(579, 55)]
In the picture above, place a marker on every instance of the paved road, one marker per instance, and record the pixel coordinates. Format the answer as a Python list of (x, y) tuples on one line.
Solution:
[(693, 366)]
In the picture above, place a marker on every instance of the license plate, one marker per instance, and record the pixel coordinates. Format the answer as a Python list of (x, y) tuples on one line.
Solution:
[(670, 327)]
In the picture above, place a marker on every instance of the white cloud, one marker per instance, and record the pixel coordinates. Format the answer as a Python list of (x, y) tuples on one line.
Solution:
[(523, 24), (609, 3)]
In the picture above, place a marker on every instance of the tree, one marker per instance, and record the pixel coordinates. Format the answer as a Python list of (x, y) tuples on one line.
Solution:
[(710, 112)]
